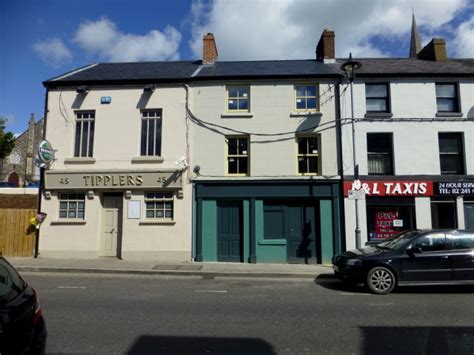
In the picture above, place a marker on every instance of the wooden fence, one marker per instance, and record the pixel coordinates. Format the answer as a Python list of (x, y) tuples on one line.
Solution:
[(17, 236)]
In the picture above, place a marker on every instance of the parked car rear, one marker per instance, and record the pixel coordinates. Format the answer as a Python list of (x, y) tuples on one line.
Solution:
[(22, 326), (417, 257)]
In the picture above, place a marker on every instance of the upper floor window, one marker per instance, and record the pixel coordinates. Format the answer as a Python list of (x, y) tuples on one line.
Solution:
[(238, 98), (307, 97), (238, 155), (447, 99), (84, 140), (380, 153), (377, 98), (308, 155), (451, 153), (159, 205), (151, 132), (71, 206)]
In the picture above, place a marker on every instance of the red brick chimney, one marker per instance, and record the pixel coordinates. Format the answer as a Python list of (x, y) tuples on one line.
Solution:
[(326, 50), (209, 49)]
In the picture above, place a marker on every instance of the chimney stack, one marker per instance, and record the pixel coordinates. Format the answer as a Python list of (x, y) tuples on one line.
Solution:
[(325, 50), (434, 51), (209, 49)]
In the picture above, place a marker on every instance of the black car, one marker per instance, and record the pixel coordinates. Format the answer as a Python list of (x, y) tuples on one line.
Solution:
[(417, 257), (22, 326)]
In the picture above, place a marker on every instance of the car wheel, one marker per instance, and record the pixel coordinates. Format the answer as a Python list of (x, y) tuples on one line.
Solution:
[(381, 280)]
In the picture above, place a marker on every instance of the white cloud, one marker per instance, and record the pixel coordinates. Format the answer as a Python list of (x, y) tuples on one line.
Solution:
[(53, 52), (257, 29), (102, 38), (464, 39)]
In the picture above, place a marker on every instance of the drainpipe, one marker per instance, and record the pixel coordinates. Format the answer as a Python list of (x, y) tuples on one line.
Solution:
[(41, 184)]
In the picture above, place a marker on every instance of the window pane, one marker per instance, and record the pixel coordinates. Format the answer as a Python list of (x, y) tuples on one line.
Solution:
[(445, 90), (72, 214), (72, 205), (169, 205), (243, 104), (233, 92), (63, 205), (143, 137), (158, 137), (300, 104), (243, 92), (312, 165), (150, 214), (232, 146), (80, 205), (160, 204), (232, 105), (169, 195), (301, 165), (300, 90), (159, 214), (243, 146), (379, 142), (445, 105), (375, 90), (91, 138), (451, 164), (242, 165), (169, 214), (310, 91), (311, 104), (85, 132), (302, 146), (313, 145), (463, 241), (159, 195), (433, 242), (376, 105), (150, 138), (80, 214), (77, 140), (62, 214), (450, 143), (232, 163)]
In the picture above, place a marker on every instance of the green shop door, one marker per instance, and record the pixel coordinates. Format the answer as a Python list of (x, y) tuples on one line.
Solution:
[(229, 231)]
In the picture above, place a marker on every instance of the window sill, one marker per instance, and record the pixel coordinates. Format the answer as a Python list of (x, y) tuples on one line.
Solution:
[(272, 242), (378, 115), (156, 222), (68, 222), (236, 115), (79, 160), (449, 114), (306, 114), (148, 159)]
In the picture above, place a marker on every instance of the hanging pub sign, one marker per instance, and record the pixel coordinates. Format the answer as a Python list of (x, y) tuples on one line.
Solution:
[(392, 188), (454, 188), (45, 152)]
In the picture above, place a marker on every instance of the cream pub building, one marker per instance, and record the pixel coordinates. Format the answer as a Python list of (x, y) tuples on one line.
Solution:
[(118, 185)]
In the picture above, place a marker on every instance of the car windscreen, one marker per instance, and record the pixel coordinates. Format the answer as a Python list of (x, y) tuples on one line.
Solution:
[(400, 241), (11, 284)]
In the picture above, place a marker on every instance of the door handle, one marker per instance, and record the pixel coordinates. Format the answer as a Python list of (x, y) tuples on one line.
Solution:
[(113, 230), (444, 257)]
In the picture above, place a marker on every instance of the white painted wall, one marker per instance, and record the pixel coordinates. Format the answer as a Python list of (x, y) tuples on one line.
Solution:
[(271, 104), (116, 143)]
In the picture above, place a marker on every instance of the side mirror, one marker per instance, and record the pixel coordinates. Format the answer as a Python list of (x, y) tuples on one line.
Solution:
[(413, 250)]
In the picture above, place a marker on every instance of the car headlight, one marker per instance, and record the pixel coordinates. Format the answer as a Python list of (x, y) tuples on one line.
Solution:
[(353, 262)]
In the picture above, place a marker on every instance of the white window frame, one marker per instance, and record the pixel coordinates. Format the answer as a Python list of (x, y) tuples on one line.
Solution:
[(306, 97), (69, 203), (83, 117), (308, 155), (154, 198), (237, 156), (238, 98), (146, 116)]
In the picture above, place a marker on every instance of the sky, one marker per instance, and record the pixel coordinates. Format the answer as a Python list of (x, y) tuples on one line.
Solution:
[(41, 39)]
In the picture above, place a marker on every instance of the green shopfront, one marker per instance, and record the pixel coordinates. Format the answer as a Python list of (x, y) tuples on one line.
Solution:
[(267, 221)]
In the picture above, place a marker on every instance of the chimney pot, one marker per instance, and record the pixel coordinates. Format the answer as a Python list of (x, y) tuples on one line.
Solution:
[(209, 49)]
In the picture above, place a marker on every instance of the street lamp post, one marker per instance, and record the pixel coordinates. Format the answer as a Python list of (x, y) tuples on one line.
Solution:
[(350, 67)]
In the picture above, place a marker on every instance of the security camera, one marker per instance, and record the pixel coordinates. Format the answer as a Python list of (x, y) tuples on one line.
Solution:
[(196, 169), (181, 161)]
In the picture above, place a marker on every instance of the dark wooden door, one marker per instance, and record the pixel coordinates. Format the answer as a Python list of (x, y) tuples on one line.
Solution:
[(229, 231), (301, 233)]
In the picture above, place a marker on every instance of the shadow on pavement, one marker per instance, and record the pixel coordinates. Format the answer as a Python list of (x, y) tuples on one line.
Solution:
[(150, 344), (417, 340), (331, 282)]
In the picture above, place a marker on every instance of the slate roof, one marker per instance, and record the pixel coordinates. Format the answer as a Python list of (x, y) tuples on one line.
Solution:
[(186, 71)]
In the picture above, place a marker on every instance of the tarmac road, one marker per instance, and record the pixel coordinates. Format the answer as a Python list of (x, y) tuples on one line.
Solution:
[(139, 314)]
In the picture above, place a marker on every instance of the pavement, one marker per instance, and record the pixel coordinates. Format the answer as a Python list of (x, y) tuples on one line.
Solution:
[(154, 267)]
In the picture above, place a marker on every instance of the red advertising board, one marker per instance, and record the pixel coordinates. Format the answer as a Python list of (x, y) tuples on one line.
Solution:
[(384, 224), (393, 188)]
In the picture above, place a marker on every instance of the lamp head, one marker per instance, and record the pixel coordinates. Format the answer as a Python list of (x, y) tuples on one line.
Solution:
[(350, 67)]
